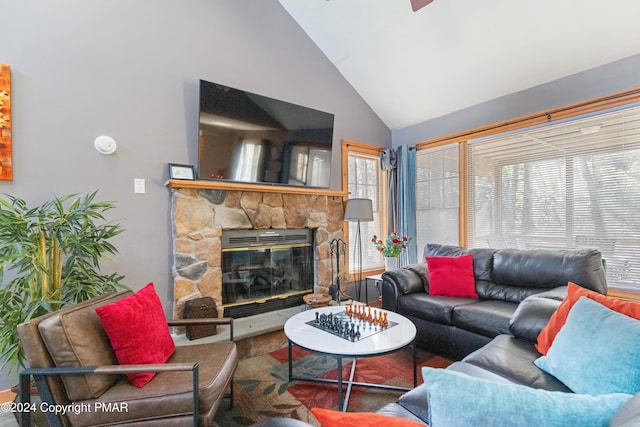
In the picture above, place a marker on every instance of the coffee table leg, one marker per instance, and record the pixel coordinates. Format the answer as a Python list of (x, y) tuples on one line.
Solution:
[(340, 384), (349, 385), (291, 363)]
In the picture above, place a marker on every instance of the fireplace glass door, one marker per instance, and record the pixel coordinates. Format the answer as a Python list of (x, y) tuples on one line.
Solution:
[(252, 274)]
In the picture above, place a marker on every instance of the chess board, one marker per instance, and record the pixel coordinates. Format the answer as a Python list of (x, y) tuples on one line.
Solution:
[(348, 328)]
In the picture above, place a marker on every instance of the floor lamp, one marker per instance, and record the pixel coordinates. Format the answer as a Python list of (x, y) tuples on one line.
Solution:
[(359, 210)]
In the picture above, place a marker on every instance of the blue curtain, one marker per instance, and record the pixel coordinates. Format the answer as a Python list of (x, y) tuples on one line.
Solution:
[(406, 203), (400, 163)]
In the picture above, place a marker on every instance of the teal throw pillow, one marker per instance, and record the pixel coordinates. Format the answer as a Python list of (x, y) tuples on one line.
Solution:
[(459, 400), (597, 351)]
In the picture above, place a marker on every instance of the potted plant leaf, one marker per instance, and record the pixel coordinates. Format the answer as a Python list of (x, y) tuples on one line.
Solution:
[(49, 257)]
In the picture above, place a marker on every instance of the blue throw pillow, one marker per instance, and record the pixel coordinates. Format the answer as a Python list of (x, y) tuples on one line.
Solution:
[(459, 400), (597, 351)]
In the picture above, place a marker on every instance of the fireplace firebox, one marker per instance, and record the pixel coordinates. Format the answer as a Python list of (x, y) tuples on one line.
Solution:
[(265, 270)]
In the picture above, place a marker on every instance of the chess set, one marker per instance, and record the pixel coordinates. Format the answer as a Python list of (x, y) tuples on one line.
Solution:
[(356, 322)]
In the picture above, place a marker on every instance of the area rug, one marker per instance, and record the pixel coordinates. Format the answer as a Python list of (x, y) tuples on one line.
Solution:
[(262, 389)]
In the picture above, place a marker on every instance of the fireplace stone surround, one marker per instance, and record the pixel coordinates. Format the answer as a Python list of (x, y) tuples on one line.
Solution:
[(199, 215)]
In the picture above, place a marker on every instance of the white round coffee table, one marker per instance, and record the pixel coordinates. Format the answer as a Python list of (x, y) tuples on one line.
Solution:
[(303, 330)]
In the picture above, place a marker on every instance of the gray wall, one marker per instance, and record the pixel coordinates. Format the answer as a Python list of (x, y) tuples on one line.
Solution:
[(616, 76), (130, 70)]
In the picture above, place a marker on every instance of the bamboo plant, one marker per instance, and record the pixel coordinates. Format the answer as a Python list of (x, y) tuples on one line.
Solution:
[(50, 257)]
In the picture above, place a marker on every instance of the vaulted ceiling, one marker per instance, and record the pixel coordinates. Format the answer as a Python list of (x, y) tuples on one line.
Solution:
[(451, 54)]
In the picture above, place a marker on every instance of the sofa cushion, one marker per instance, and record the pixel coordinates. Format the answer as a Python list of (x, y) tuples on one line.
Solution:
[(478, 372), (459, 400), (394, 409), (452, 276), (489, 318), (597, 351), (422, 271), (513, 359), (414, 401), (138, 331), (437, 309), (74, 337), (502, 292), (558, 319), (482, 257), (543, 269), (170, 392), (331, 418)]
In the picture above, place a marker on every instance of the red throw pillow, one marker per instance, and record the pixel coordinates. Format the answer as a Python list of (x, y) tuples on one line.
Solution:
[(452, 276), (331, 418), (574, 292), (138, 331)]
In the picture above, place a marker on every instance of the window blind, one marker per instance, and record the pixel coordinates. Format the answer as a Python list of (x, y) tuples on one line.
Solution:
[(365, 181), (437, 196), (568, 185)]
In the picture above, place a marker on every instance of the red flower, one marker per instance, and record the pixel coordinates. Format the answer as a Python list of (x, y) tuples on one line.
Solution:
[(392, 245)]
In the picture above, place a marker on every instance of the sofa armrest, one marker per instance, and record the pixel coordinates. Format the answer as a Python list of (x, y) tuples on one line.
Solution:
[(53, 417), (532, 315), (406, 280)]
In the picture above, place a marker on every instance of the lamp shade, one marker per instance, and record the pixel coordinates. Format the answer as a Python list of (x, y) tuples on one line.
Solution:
[(359, 210)]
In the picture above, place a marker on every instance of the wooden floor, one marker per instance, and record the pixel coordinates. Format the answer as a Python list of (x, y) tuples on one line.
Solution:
[(7, 419), (6, 396)]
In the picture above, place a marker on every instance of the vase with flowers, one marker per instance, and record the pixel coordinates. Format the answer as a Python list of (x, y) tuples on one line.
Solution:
[(391, 248)]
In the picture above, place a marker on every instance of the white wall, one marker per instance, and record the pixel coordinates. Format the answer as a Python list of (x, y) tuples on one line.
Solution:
[(130, 69)]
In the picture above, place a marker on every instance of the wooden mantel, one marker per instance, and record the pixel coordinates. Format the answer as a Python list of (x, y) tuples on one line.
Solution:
[(221, 185)]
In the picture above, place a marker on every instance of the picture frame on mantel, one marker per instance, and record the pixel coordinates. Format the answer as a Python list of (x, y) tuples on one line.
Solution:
[(186, 172)]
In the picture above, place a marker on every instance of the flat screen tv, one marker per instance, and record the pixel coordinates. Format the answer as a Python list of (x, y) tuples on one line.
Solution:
[(249, 138)]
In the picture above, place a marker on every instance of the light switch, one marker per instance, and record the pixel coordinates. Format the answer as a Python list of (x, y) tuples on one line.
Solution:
[(138, 186)]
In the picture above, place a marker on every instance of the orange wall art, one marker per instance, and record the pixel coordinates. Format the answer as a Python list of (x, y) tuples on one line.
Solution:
[(6, 163)]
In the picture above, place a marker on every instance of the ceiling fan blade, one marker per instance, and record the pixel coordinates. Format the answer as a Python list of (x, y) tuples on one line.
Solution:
[(419, 4)]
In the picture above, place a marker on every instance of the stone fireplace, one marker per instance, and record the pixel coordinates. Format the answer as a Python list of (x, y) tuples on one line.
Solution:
[(199, 217)]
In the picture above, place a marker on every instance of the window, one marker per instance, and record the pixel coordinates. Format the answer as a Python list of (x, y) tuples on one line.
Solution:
[(364, 180), (437, 196), (569, 185), (249, 164)]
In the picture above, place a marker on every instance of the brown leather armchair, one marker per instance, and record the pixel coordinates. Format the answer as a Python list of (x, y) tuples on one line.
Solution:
[(81, 383)]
